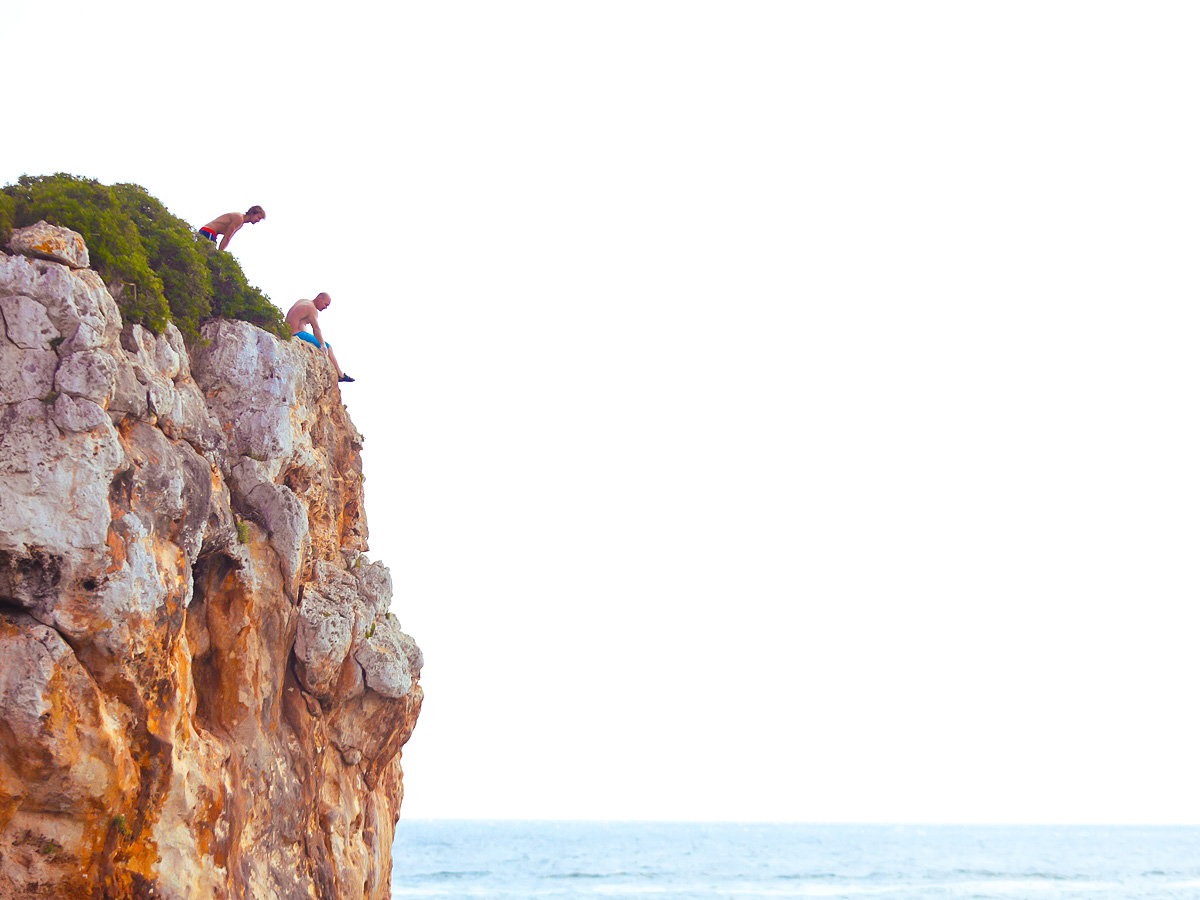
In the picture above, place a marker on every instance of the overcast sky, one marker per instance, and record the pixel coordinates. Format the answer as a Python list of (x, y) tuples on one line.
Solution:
[(773, 410)]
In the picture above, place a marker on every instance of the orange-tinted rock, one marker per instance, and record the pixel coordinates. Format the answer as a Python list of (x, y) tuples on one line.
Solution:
[(51, 242)]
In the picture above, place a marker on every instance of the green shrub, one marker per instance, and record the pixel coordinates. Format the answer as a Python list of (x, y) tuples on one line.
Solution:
[(170, 247), (156, 267), (235, 298), (8, 206), (114, 244)]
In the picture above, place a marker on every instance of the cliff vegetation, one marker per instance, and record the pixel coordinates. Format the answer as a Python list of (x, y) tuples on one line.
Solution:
[(151, 260)]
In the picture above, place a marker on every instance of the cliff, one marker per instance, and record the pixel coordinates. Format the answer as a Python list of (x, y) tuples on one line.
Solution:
[(203, 693)]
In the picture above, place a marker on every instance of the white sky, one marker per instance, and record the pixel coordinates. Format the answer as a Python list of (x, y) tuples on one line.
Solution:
[(774, 410)]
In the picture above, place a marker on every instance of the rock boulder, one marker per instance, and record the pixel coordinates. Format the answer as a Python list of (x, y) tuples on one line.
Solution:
[(51, 242)]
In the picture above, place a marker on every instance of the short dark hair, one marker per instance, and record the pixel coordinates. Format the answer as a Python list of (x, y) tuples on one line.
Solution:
[(256, 211)]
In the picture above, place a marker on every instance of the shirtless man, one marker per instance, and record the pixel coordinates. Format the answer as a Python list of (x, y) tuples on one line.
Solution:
[(304, 312), (229, 223)]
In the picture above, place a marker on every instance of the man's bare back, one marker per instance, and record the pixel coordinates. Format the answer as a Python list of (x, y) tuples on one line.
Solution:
[(304, 312), (229, 224)]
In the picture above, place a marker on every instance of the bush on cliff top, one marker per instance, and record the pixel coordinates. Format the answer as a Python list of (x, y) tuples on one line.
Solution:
[(158, 269)]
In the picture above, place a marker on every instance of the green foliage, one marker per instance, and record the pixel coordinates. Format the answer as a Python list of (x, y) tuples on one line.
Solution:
[(233, 297), (115, 247), (119, 824), (8, 208), (170, 248), (243, 533), (156, 266)]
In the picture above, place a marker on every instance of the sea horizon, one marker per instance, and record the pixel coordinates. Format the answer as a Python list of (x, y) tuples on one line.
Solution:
[(812, 822), (505, 859)]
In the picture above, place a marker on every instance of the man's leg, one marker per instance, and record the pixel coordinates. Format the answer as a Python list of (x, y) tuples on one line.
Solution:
[(342, 376), (333, 359)]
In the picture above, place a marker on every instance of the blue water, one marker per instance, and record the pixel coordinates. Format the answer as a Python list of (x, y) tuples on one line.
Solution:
[(671, 861)]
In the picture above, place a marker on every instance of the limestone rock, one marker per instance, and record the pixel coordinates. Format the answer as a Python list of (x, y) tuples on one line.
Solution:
[(385, 661), (56, 485), (89, 374), (78, 414), (76, 302), (376, 583), (202, 692), (332, 620), (51, 242), (280, 511), (66, 760), (279, 405), (26, 323), (25, 374)]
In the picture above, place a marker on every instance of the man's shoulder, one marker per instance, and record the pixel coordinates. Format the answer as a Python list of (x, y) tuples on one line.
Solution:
[(225, 220)]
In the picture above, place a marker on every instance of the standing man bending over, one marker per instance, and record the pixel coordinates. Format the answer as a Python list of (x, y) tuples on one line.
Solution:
[(229, 223), (304, 312)]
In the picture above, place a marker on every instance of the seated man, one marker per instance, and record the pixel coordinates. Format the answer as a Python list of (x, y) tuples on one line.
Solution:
[(229, 223), (304, 312)]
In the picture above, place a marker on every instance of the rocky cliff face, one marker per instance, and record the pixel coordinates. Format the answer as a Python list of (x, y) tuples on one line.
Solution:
[(202, 691)]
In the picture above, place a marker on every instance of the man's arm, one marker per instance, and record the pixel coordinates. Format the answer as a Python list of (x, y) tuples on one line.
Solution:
[(235, 222), (312, 320)]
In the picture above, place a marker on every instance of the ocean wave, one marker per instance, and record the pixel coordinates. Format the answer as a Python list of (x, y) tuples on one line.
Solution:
[(447, 874), (990, 874), (806, 876), (598, 875)]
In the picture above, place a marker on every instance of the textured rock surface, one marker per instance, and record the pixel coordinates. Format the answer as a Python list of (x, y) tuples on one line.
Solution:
[(203, 693), (50, 242)]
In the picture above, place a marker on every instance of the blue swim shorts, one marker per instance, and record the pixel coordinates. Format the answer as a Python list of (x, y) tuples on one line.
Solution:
[(211, 235), (306, 336)]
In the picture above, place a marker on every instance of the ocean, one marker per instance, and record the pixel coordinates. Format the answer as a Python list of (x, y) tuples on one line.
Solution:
[(441, 860)]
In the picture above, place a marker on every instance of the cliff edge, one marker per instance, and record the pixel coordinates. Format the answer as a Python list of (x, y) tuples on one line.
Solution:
[(203, 693)]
